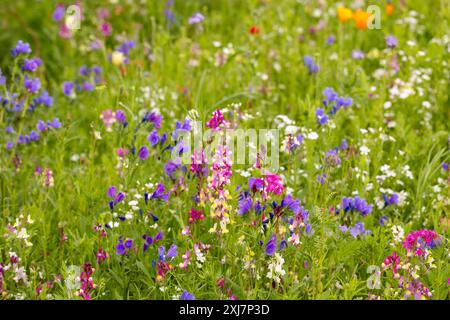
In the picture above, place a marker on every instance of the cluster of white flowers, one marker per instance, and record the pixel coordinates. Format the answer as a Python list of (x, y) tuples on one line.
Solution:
[(19, 231), (200, 250), (276, 271), (398, 234)]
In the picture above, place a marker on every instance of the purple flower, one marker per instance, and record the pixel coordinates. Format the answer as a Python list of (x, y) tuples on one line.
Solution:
[(120, 248), (159, 236), (128, 243), (321, 178), (181, 127), (9, 130), (196, 18), (310, 64), (332, 158), (271, 246), (21, 48), (357, 230), (84, 71), (120, 116), (126, 46), (34, 136), (330, 94), (45, 99), (356, 204), (161, 253), (393, 199), (292, 204), (245, 205), (321, 117), (445, 166), (391, 42), (187, 296), (143, 153), (9, 145), (309, 230), (330, 39), (153, 138), (172, 252), (283, 245), (59, 13), (31, 65), (112, 191), (68, 88), (97, 70), (170, 168), (357, 55), (55, 124), (160, 193), (255, 184), (32, 85), (153, 118), (383, 220), (87, 86)]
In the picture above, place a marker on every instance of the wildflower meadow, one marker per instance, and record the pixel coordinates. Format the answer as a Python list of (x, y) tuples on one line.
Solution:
[(224, 150)]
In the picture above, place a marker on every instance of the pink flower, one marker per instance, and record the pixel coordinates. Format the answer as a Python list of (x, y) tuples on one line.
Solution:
[(121, 152), (195, 215), (273, 183), (64, 31), (106, 29), (417, 241), (216, 121), (108, 117)]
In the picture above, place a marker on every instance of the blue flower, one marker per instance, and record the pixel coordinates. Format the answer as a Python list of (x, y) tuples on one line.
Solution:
[(187, 296), (31, 85), (143, 153), (21, 48), (245, 205), (172, 252), (310, 64), (356, 204), (120, 248), (153, 138), (31, 65), (160, 193), (383, 220), (271, 245), (68, 88), (321, 117)]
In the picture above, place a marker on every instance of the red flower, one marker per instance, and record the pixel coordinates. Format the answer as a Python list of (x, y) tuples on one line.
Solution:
[(254, 30)]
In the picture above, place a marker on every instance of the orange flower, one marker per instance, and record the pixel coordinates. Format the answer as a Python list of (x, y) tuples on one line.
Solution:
[(344, 14), (389, 9), (361, 19)]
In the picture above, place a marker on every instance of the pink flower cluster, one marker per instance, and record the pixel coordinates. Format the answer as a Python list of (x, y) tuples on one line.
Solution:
[(216, 121), (273, 183), (417, 241), (87, 282)]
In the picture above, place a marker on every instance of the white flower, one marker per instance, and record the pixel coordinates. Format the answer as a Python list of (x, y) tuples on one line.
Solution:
[(276, 271), (398, 233), (364, 150), (312, 136)]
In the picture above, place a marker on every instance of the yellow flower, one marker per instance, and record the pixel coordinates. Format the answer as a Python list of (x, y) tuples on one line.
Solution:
[(117, 58), (344, 14)]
